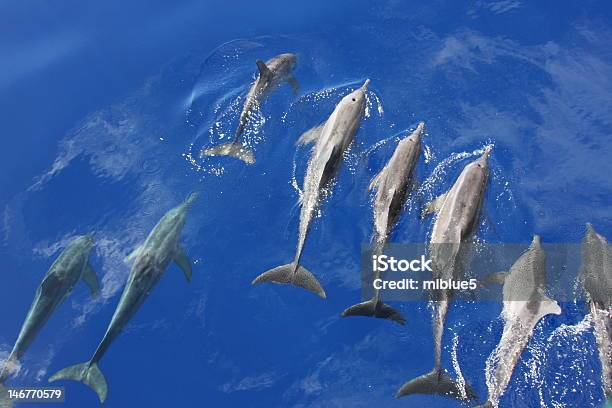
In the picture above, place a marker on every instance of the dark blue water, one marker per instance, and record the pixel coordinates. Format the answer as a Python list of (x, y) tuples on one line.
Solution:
[(104, 109)]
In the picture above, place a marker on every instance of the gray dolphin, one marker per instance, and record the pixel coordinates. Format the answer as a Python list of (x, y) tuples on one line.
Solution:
[(596, 277), (151, 259), (331, 138), (271, 74), (525, 303), (457, 216), (62, 276), (391, 186)]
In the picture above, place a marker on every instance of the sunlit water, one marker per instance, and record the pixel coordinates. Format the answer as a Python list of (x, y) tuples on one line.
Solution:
[(544, 102)]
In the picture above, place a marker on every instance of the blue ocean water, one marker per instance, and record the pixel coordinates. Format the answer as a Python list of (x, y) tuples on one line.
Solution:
[(106, 106)]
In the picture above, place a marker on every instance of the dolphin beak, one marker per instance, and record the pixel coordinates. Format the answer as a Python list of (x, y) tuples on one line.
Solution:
[(589, 229), (191, 198), (364, 87), (487, 152), (420, 127), (536, 241)]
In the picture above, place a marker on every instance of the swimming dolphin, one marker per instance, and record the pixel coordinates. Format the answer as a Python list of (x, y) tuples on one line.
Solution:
[(331, 138), (457, 217), (71, 265), (596, 277), (391, 186), (271, 75), (525, 303), (150, 262)]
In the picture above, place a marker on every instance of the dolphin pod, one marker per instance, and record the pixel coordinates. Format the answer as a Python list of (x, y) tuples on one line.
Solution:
[(331, 139), (525, 302), (150, 261), (71, 266), (391, 186), (271, 74)]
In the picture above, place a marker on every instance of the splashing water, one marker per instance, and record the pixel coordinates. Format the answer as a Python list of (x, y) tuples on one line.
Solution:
[(457, 368)]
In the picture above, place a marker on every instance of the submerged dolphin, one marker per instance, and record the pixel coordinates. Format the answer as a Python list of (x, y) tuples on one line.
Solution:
[(150, 262), (331, 138), (596, 277), (525, 303), (68, 268), (271, 75), (391, 186), (457, 216)]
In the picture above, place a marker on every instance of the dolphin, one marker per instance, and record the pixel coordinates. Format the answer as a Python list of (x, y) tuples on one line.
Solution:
[(457, 217), (596, 277), (71, 266), (331, 139), (525, 303), (150, 260), (391, 186), (271, 74)]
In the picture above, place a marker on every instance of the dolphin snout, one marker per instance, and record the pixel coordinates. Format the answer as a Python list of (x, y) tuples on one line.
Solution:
[(487, 151), (365, 85), (191, 198), (536, 241)]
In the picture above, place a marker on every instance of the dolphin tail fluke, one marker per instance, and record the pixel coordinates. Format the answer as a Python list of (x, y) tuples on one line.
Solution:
[(292, 274), (436, 382), (373, 308), (88, 373), (5, 401), (233, 149)]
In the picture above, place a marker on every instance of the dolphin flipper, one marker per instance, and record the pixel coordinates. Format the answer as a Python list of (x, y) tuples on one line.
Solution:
[(88, 373), (289, 274), (311, 135), (233, 149), (133, 255), (91, 280), (434, 205), (436, 382), (295, 85), (264, 71), (546, 306), (373, 308), (181, 259)]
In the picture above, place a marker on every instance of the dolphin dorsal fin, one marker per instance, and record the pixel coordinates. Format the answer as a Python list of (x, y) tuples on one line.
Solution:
[(310, 135), (264, 71), (91, 280)]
